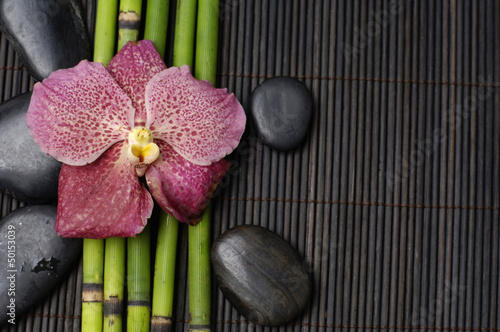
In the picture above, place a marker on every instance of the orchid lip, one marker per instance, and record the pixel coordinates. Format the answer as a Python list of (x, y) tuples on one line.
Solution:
[(142, 151)]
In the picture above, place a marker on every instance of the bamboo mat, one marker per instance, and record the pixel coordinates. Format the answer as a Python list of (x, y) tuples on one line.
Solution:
[(393, 200)]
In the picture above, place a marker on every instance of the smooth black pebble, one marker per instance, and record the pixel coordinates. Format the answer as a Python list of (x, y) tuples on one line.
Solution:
[(26, 173), (261, 275), (35, 258), (281, 109), (48, 34)]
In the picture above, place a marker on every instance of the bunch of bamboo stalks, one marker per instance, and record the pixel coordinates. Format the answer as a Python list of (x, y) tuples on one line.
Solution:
[(106, 263)]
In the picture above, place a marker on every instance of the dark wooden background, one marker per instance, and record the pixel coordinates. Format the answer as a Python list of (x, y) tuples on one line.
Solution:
[(393, 200)]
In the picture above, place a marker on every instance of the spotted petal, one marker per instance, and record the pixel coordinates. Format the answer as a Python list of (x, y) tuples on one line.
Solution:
[(103, 199), (76, 114), (133, 67), (203, 124), (180, 187)]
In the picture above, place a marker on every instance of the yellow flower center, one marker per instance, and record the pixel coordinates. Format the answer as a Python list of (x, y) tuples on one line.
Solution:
[(142, 151)]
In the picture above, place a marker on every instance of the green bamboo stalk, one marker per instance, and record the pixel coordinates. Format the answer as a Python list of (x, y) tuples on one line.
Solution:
[(207, 40), (156, 24), (105, 30), (166, 250), (114, 277), (199, 274), (138, 248), (129, 21), (199, 235), (163, 287), (92, 287), (164, 273), (185, 22), (138, 281), (93, 250)]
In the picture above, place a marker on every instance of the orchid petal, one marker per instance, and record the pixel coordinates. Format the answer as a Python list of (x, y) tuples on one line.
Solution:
[(180, 187), (76, 114), (203, 124), (133, 67), (103, 199)]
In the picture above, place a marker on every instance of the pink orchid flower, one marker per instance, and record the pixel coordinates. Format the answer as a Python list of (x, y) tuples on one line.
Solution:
[(112, 126)]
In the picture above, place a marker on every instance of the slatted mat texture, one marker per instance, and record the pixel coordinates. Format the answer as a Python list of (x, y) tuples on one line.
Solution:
[(393, 200)]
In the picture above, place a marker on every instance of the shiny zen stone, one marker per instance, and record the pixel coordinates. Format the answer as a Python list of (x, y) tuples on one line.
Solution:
[(260, 274), (281, 109), (48, 34), (26, 173), (35, 258)]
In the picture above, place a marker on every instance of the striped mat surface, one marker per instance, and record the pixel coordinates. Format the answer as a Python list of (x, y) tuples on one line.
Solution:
[(393, 200)]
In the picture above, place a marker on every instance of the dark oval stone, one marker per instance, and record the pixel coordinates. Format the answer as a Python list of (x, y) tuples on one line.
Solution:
[(260, 274), (281, 109), (26, 173), (48, 34), (35, 258)]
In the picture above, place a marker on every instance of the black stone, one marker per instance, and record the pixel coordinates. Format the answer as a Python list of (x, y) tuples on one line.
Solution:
[(35, 258), (261, 275), (281, 110), (26, 173), (48, 34)]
